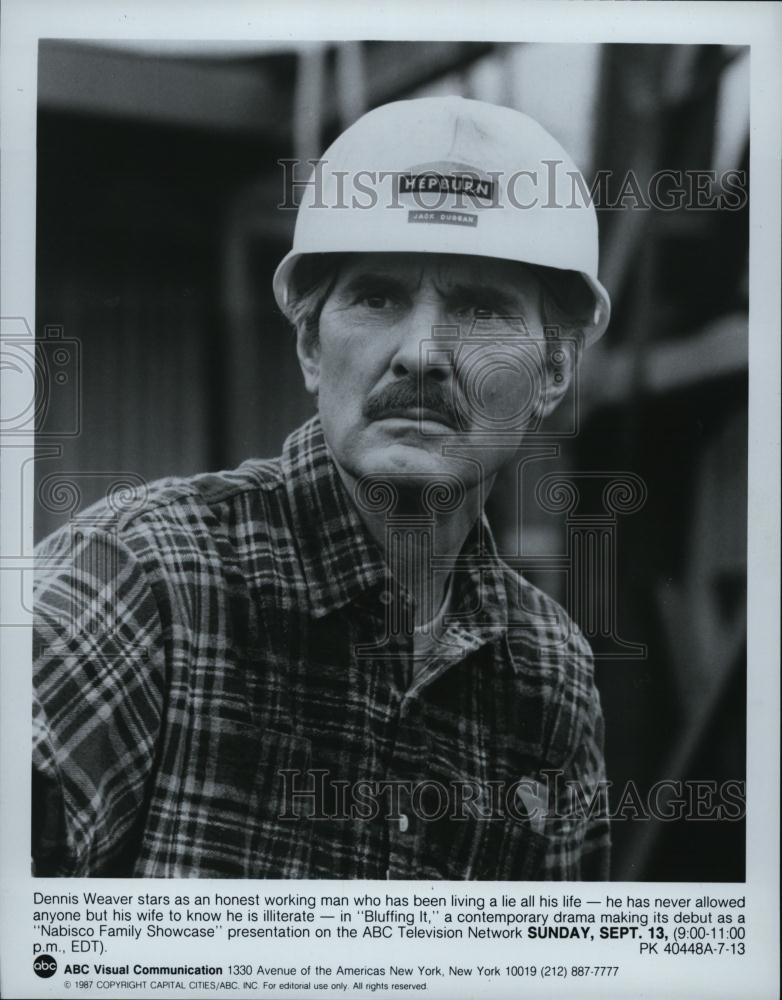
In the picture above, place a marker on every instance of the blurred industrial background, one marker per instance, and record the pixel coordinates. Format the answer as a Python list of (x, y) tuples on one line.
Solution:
[(157, 235)]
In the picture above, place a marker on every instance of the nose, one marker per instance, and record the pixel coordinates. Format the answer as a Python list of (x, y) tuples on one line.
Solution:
[(415, 353)]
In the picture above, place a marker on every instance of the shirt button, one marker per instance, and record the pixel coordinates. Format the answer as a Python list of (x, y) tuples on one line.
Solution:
[(404, 823), (386, 597)]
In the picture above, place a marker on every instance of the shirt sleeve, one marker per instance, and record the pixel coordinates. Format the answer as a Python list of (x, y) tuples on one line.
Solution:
[(591, 804), (582, 834), (577, 825), (97, 702)]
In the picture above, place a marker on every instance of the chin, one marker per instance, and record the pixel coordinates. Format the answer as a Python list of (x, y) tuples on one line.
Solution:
[(398, 459)]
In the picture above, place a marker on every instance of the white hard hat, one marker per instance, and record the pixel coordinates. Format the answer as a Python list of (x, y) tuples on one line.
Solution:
[(450, 175)]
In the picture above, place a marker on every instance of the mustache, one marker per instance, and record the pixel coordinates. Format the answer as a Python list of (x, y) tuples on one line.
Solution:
[(412, 393)]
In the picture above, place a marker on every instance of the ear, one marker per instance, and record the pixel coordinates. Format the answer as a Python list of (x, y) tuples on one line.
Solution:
[(308, 350), (560, 367)]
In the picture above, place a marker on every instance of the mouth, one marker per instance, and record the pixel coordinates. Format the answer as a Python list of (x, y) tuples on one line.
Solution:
[(417, 415)]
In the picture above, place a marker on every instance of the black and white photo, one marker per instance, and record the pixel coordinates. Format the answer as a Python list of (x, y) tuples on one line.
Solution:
[(230, 680), (387, 451)]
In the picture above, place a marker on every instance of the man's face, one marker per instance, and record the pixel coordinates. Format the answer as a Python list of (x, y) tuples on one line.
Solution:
[(419, 354)]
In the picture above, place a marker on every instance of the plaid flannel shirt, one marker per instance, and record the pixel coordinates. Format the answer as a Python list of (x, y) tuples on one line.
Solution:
[(218, 694)]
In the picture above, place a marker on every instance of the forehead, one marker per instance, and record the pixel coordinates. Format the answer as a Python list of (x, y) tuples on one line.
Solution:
[(443, 270)]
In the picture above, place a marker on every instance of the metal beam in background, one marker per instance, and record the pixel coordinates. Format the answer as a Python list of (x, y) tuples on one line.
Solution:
[(365, 75), (351, 82), (238, 96), (229, 97), (396, 69), (717, 350), (309, 103)]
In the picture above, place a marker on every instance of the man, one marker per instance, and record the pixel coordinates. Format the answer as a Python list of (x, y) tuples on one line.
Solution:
[(318, 666)]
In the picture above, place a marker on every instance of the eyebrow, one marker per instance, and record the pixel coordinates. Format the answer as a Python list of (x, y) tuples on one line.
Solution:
[(500, 299), (509, 303), (369, 281)]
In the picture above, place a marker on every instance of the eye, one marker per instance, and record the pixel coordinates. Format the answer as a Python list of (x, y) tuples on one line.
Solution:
[(479, 310), (376, 300), (375, 296)]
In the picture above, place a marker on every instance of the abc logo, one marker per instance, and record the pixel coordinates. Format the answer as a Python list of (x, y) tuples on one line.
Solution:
[(44, 966)]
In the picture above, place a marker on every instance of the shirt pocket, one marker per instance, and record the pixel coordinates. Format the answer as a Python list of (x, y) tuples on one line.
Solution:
[(478, 838), (237, 817)]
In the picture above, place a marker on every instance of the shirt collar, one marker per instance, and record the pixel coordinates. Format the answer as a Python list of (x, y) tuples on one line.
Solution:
[(340, 559)]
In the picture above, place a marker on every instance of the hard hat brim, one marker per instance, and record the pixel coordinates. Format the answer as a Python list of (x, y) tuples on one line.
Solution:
[(283, 280)]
